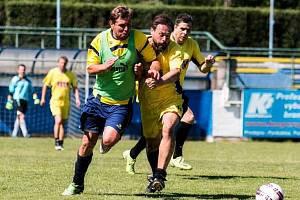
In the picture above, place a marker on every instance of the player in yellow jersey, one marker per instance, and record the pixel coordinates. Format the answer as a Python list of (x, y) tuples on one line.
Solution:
[(161, 102), (190, 51), (113, 56), (60, 80)]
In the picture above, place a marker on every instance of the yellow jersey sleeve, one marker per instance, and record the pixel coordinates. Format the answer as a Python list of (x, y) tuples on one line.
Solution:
[(48, 79), (190, 52), (197, 56), (175, 58), (73, 80), (93, 51), (143, 47)]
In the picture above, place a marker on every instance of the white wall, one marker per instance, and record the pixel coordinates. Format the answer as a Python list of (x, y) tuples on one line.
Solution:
[(226, 119)]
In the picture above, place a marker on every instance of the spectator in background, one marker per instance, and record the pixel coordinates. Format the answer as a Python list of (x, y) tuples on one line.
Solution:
[(61, 81), (20, 90)]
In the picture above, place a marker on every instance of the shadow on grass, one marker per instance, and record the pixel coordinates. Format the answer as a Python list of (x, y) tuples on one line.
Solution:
[(170, 196), (197, 177)]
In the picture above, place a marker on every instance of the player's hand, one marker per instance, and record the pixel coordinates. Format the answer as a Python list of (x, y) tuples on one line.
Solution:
[(42, 102), (153, 74), (36, 102), (36, 99), (77, 103), (138, 69), (151, 83), (9, 104), (109, 63), (209, 61)]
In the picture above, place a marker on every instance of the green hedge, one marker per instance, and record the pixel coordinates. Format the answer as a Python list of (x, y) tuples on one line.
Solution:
[(279, 4), (2, 18), (232, 26)]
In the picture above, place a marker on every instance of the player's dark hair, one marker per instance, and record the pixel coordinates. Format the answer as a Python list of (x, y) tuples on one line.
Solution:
[(122, 12), (164, 20), (185, 18)]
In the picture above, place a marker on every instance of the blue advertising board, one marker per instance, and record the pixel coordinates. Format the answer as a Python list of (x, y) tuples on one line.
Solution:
[(270, 113), (40, 121)]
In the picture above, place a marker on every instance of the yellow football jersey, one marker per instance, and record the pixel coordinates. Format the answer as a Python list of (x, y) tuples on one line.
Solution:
[(169, 59), (119, 46), (162, 99), (60, 83), (190, 51)]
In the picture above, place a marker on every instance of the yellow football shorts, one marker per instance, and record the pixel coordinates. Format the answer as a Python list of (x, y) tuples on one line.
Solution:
[(152, 115), (62, 111)]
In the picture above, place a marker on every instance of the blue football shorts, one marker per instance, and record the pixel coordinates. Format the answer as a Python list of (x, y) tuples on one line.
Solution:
[(96, 115)]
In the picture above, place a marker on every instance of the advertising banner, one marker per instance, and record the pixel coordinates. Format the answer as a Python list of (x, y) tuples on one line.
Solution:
[(270, 113)]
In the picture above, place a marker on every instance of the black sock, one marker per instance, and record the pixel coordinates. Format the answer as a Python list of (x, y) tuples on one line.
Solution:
[(140, 146), (81, 167), (56, 142), (60, 142), (181, 134), (160, 173), (153, 159)]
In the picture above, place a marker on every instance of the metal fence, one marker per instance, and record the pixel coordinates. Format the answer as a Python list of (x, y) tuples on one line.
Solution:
[(43, 57), (82, 36)]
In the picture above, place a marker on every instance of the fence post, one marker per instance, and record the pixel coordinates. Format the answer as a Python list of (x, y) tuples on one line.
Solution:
[(42, 40), (17, 40)]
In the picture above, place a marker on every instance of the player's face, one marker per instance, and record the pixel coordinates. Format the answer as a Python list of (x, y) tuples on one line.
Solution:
[(182, 31), (121, 28), (161, 36), (62, 64), (21, 71)]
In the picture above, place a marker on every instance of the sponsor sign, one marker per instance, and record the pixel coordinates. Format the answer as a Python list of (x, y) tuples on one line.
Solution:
[(271, 113)]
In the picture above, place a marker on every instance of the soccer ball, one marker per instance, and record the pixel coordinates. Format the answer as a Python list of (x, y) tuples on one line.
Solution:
[(269, 191)]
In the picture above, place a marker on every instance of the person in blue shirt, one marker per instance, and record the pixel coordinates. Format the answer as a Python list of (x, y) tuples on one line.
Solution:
[(20, 91)]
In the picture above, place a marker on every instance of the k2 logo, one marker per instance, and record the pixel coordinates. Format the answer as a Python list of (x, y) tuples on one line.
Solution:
[(259, 104)]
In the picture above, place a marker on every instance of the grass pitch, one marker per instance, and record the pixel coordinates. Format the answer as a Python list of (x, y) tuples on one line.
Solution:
[(32, 169)]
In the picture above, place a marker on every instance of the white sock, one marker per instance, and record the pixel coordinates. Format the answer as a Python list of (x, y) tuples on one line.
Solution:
[(23, 128), (16, 128)]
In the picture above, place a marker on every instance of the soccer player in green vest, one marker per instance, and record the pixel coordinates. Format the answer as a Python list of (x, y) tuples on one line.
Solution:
[(113, 56)]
